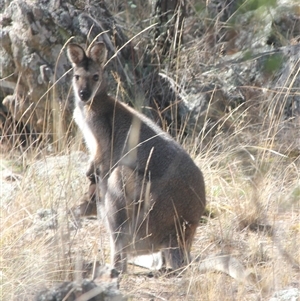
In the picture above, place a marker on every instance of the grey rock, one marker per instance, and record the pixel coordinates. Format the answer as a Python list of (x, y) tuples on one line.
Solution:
[(291, 294), (45, 219), (32, 56), (32, 39), (103, 288)]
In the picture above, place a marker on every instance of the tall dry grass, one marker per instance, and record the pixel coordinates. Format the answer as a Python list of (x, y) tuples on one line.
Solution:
[(253, 193), (252, 175)]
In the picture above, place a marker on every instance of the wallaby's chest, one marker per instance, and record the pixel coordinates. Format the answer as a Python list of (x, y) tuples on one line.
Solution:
[(89, 137)]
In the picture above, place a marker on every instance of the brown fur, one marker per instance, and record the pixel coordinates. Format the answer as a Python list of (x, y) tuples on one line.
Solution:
[(87, 206), (153, 193)]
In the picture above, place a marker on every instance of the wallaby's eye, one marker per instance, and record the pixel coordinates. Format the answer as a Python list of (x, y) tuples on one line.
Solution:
[(76, 77), (96, 77)]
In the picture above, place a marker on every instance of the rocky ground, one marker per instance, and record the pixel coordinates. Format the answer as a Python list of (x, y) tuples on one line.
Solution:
[(47, 243), (237, 76)]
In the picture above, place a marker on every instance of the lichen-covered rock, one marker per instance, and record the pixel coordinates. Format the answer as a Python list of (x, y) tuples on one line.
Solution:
[(103, 288), (34, 69), (251, 54), (290, 294), (31, 61), (253, 61)]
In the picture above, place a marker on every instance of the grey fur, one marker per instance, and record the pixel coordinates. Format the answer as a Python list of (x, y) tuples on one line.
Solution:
[(153, 194)]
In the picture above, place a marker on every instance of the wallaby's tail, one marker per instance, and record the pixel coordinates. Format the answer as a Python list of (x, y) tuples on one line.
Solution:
[(228, 265)]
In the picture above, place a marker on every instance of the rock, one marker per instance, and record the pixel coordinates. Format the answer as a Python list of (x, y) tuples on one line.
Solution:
[(103, 288), (292, 294), (56, 172), (36, 82), (47, 177), (246, 60), (10, 180), (45, 219), (248, 63)]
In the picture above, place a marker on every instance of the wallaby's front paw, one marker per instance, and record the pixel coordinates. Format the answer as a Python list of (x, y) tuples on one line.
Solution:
[(92, 173), (88, 204)]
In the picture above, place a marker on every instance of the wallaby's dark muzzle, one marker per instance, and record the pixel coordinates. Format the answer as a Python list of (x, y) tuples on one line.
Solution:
[(84, 94)]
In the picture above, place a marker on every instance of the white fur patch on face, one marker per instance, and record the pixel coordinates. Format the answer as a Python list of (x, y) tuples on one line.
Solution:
[(89, 138)]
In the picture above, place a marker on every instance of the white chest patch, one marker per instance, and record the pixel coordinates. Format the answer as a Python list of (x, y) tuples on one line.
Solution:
[(89, 137)]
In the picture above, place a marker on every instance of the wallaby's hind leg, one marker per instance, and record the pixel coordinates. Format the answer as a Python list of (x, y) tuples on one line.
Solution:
[(115, 204), (118, 245), (173, 258), (121, 199), (178, 253)]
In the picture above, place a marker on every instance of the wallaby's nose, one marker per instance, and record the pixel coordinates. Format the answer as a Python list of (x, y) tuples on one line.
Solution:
[(84, 94)]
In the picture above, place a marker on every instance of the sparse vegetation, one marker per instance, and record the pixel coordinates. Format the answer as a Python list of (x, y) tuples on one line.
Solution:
[(249, 155)]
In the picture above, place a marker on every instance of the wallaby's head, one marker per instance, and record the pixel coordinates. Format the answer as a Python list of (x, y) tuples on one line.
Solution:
[(88, 69)]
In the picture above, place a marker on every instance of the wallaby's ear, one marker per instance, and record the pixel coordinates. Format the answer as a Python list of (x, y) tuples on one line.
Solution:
[(98, 53), (75, 53)]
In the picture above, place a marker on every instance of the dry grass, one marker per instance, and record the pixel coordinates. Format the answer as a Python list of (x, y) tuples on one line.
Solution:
[(253, 211)]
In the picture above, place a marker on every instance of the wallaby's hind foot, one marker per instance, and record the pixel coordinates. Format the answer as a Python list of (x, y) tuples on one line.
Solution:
[(173, 259), (178, 254), (118, 255)]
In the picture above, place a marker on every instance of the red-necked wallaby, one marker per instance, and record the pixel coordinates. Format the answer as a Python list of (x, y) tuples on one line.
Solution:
[(152, 193)]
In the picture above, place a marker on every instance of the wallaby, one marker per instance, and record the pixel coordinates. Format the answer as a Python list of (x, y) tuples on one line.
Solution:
[(152, 193), (87, 206)]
